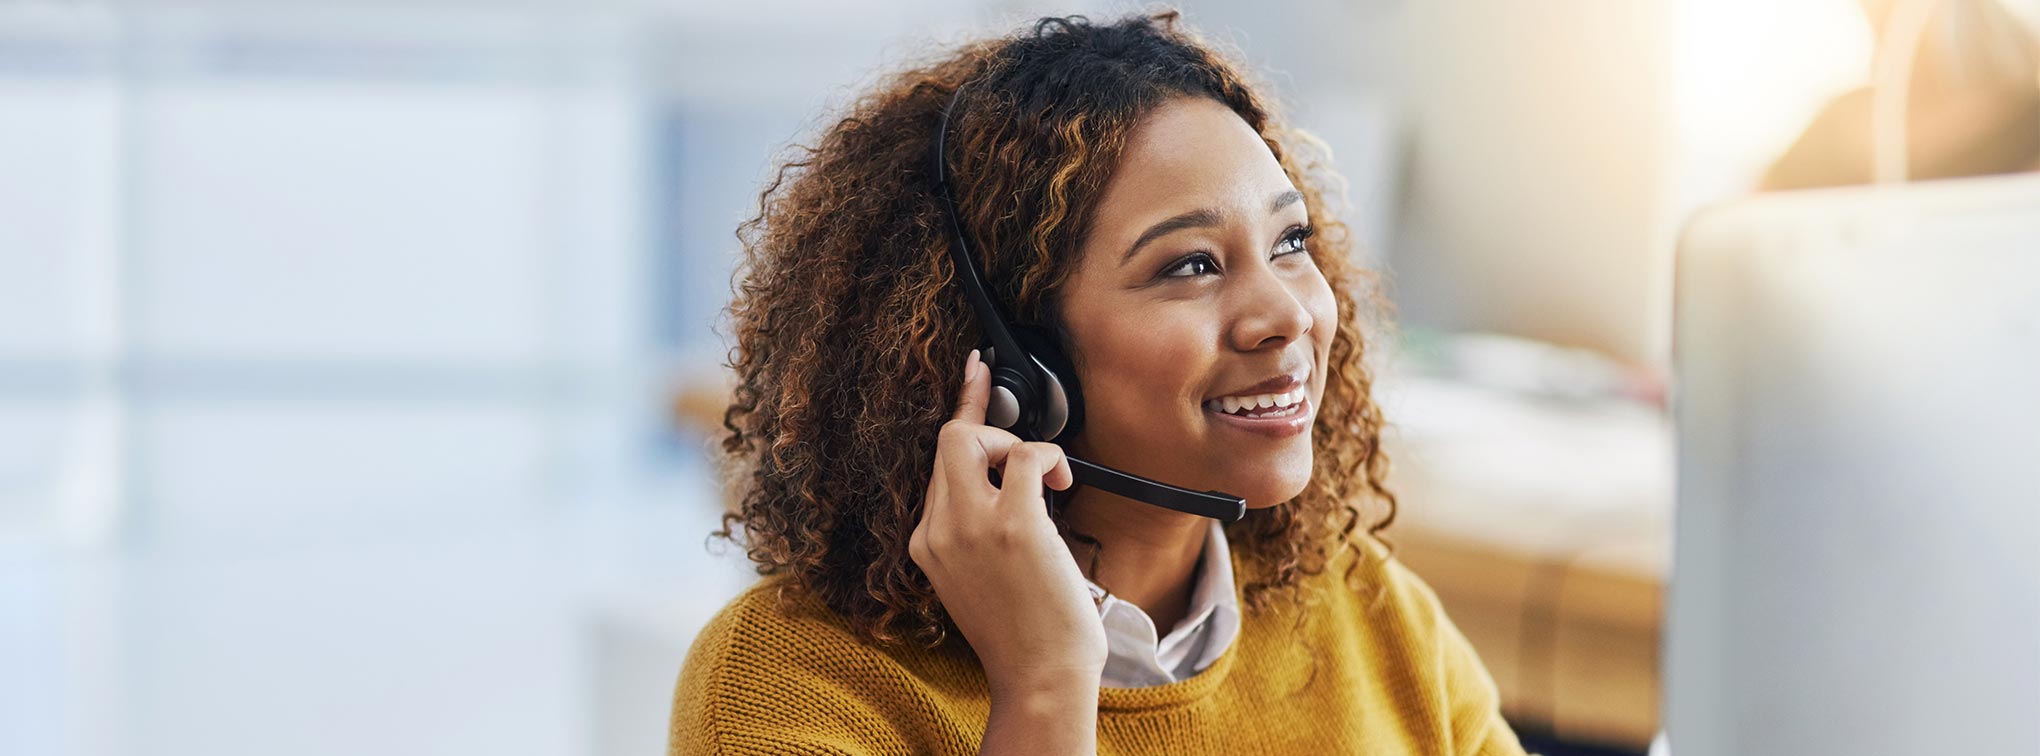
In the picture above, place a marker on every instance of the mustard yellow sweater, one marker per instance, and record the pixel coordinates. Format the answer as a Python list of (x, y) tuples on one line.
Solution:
[(1361, 675)]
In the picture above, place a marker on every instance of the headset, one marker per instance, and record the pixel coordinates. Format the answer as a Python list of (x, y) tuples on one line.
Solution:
[(1035, 394)]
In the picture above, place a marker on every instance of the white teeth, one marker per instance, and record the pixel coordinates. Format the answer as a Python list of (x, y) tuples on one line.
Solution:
[(1234, 404)]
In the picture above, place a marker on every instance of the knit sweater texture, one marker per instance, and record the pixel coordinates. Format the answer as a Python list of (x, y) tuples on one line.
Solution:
[(1373, 667)]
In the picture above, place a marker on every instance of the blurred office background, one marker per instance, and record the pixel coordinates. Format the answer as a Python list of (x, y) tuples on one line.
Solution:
[(356, 359)]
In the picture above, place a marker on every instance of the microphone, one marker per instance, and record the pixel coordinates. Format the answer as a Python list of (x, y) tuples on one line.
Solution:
[(1212, 504)]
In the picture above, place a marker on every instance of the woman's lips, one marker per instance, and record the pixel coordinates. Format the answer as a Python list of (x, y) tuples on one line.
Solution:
[(1272, 427)]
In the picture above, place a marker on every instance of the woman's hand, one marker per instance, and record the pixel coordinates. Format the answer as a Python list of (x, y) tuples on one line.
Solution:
[(1008, 580)]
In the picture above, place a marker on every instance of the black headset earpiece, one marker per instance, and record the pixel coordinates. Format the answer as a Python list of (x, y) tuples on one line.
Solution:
[(1035, 393), (1062, 413), (1031, 403)]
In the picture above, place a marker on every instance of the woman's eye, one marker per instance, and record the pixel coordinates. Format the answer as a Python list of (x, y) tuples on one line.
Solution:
[(1189, 264), (1201, 263), (1294, 240)]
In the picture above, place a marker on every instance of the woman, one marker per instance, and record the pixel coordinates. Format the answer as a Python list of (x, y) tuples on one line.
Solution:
[(1125, 188)]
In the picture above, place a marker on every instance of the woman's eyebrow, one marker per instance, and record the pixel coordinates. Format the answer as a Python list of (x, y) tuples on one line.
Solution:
[(1201, 218), (1193, 219), (1283, 200)]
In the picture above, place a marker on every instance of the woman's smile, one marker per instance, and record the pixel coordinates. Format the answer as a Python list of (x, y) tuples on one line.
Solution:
[(1273, 422), (1279, 407)]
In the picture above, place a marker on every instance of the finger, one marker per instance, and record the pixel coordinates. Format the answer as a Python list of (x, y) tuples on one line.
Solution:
[(1026, 464), (965, 451), (976, 392), (1060, 477)]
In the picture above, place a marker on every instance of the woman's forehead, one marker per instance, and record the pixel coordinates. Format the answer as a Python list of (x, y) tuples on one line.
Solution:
[(1188, 154)]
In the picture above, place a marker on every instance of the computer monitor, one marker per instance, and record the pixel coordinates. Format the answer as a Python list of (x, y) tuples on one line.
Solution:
[(1856, 560)]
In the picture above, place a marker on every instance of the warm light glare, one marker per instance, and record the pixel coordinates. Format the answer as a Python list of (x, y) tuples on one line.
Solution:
[(1749, 76)]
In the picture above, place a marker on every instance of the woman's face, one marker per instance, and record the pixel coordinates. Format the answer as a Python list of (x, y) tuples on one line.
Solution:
[(1192, 287)]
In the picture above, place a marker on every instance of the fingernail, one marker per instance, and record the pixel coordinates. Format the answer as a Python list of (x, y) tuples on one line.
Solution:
[(970, 369)]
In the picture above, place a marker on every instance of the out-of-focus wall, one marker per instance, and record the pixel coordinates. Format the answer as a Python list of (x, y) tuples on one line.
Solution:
[(1539, 170), (314, 272)]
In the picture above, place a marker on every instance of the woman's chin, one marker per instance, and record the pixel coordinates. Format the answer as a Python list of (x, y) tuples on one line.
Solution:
[(1266, 490)]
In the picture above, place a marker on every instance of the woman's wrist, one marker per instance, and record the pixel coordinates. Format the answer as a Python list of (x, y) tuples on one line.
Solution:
[(1039, 688), (1044, 712), (1071, 677)]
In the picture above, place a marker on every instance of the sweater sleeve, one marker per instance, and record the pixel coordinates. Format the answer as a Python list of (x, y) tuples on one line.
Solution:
[(741, 692)]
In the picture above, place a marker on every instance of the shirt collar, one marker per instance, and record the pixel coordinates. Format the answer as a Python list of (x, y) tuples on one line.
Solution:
[(1137, 656), (1213, 592)]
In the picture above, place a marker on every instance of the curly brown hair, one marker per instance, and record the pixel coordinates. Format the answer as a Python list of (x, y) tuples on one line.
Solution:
[(850, 335)]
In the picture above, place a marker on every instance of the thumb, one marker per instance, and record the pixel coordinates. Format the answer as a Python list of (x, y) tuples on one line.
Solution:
[(970, 404)]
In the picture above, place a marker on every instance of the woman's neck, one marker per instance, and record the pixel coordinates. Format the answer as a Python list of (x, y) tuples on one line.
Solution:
[(1145, 554)]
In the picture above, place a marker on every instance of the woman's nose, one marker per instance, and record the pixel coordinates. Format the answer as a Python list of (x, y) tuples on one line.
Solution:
[(1269, 309)]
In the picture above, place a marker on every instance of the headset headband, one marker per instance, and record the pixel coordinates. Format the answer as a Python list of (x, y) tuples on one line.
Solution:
[(1034, 403)]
